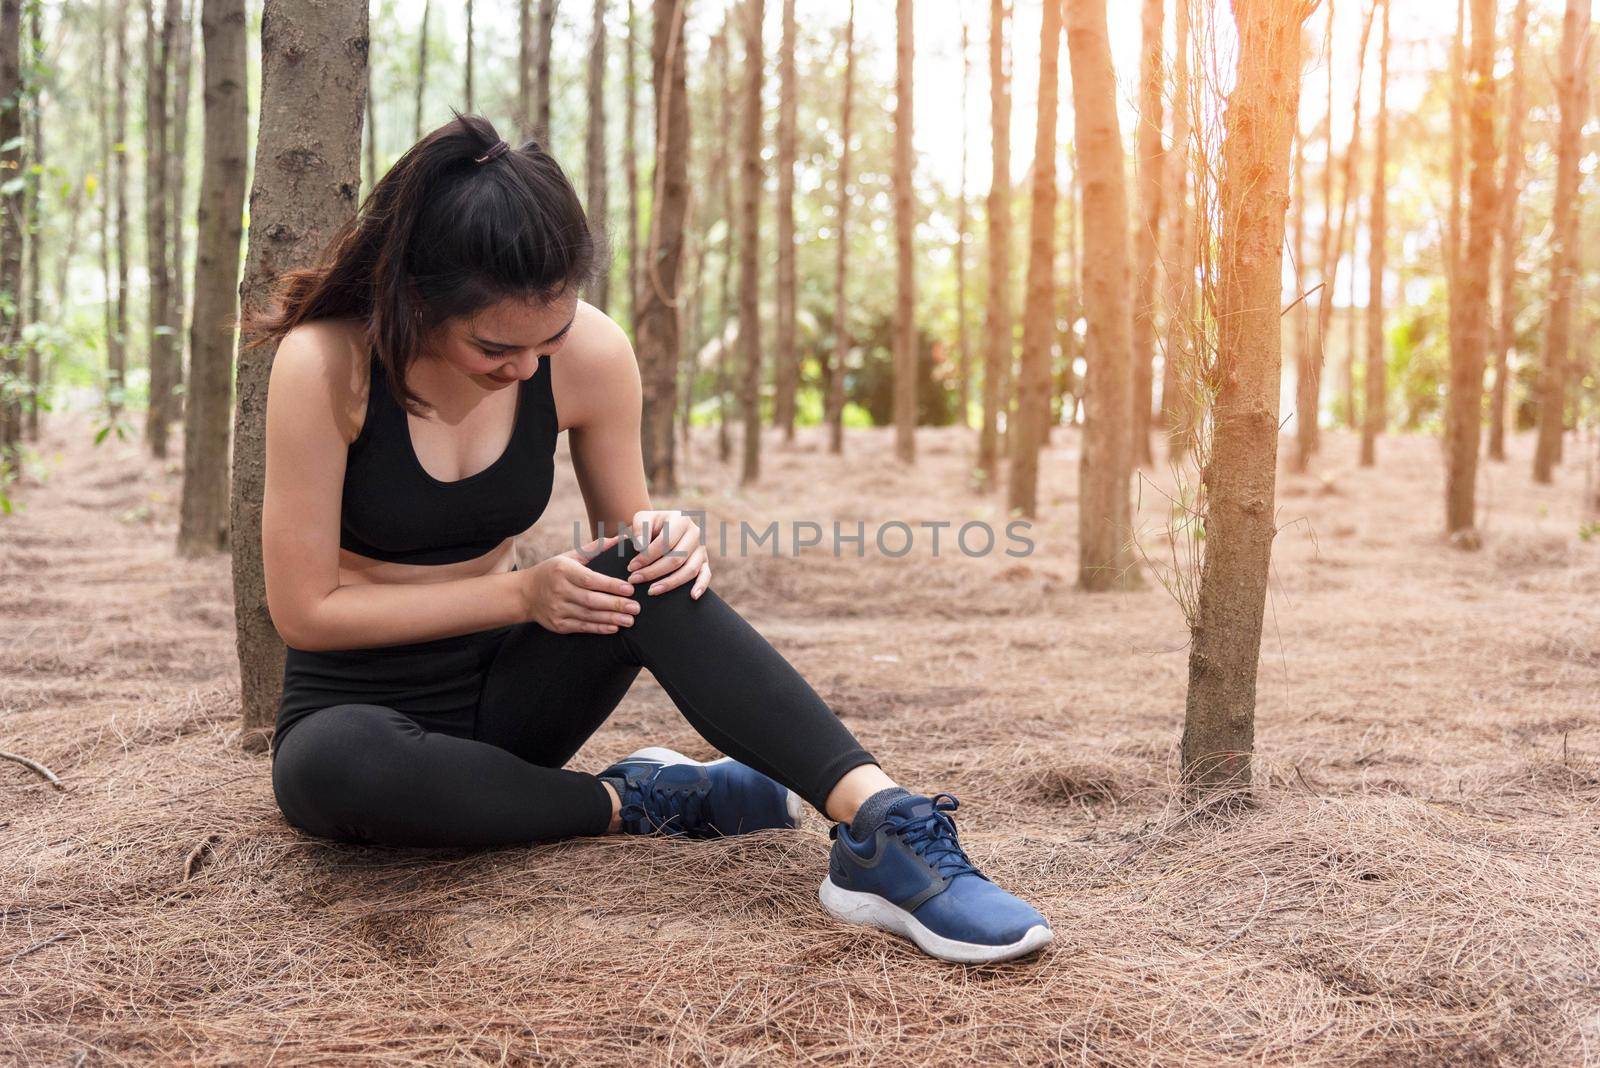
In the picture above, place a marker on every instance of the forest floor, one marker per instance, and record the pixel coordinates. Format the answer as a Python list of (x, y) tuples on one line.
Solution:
[(1416, 885)]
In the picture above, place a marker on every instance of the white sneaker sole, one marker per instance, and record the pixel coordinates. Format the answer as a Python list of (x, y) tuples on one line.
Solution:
[(662, 755), (854, 906)]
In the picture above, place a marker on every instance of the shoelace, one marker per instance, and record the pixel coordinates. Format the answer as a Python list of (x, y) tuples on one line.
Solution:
[(674, 809), (933, 837)]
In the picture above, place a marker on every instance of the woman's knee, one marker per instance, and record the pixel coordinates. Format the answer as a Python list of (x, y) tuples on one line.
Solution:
[(334, 764)]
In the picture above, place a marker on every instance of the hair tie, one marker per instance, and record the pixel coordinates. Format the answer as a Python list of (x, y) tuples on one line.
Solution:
[(498, 149)]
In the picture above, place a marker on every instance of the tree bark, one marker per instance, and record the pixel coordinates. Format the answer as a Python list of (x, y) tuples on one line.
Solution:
[(11, 215), (1151, 161), (203, 512), (422, 68), (630, 168), (35, 203), (1241, 472), (1464, 415), (1039, 311), (177, 182), (306, 182), (963, 223), (158, 255), (1373, 413), (1178, 373), (525, 47), (1308, 370), (659, 333), (841, 310), (596, 172), (119, 141), (541, 72), (1510, 234), (1105, 560), (1348, 196), (1564, 265), (725, 283), (786, 367), (467, 63), (997, 311), (749, 245), (905, 305)]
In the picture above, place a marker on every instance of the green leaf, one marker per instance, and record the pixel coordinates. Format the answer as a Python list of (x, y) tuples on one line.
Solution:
[(15, 185), (15, 142)]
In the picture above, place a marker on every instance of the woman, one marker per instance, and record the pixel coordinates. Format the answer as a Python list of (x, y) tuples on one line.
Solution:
[(433, 691)]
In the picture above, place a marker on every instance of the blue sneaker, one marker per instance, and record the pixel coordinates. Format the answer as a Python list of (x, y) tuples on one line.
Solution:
[(911, 877), (665, 792)]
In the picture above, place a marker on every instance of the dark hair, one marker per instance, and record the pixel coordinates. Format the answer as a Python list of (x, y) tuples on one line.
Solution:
[(442, 235)]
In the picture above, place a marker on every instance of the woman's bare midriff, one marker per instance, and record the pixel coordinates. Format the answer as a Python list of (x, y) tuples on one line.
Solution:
[(357, 569)]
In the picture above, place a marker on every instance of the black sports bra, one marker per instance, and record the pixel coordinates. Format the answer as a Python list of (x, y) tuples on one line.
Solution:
[(394, 510)]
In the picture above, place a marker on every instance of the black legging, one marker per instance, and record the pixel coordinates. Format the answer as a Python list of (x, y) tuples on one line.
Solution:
[(460, 741)]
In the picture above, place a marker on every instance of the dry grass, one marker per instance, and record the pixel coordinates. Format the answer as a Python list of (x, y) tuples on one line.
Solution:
[(1417, 884)]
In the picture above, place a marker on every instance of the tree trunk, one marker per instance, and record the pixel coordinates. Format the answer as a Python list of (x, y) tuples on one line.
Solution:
[(725, 286), (596, 175), (525, 47), (786, 368), (119, 141), (371, 132), (467, 64), (177, 181), (1452, 225), (36, 153), (1308, 371), (1464, 414), (158, 255), (1564, 265), (630, 169), (11, 215), (541, 72), (841, 310), (905, 305), (1373, 413), (1296, 317), (422, 68), (1348, 196), (1241, 472), (1151, 160), (963, 222), (749, 245), (997, 312), (307, 177), (1104, 513), (1039, 311), (103, 120), (725, 283), (1178, 377), (1510, 234), (203, 513), (660, 344)]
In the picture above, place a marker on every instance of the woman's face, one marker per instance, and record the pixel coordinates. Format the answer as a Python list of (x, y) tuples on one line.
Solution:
[(501, 344)]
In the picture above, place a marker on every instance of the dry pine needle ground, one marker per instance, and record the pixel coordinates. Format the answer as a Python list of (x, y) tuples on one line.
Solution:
[(1418, 884)]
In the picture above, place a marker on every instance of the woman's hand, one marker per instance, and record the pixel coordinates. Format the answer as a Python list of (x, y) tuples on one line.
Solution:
[(563, 594), (673, 555)]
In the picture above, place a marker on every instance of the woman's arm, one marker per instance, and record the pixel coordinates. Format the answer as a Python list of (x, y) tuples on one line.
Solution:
[(600, 399), (312, 392)]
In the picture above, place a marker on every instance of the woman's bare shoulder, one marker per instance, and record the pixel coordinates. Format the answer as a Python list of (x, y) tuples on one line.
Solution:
[(320, 361), (595, 371)]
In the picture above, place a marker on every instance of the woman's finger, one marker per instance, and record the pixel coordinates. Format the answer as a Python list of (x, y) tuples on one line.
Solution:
[(672, 559), (596, 601), (701, 582), (589, 579), (684, 573), (665, 529)]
